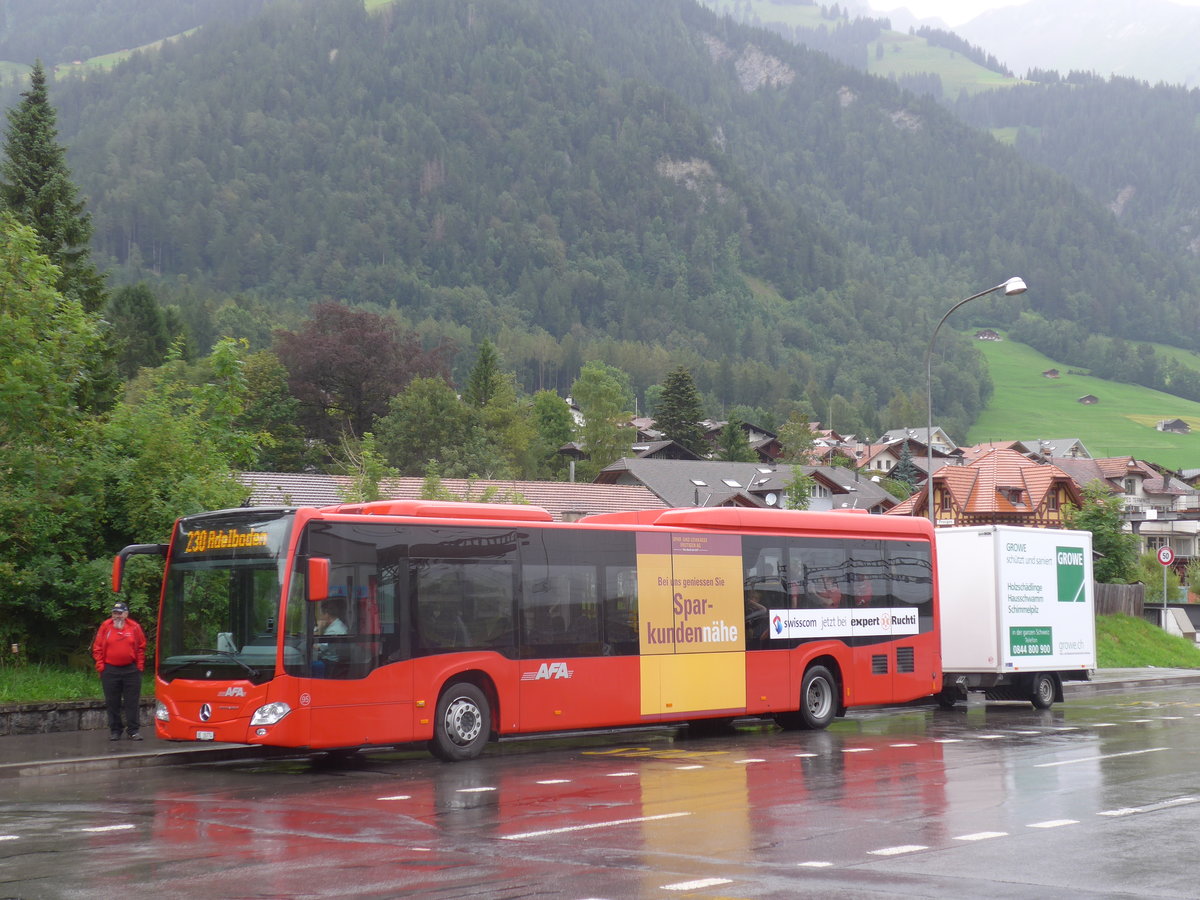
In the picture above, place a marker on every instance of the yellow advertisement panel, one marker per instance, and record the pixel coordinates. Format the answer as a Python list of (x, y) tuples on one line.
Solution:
[(691, 622)]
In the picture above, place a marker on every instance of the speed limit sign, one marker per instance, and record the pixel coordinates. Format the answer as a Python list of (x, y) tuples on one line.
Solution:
[(1166, 555)]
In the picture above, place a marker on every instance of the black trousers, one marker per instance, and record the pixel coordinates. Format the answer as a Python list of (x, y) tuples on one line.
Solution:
[(122, 693)]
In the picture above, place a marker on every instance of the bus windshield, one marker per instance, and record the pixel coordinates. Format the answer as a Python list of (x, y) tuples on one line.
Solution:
[(221, 599)]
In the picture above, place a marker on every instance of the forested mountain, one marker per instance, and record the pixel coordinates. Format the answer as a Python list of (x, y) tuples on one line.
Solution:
[(645, 183)]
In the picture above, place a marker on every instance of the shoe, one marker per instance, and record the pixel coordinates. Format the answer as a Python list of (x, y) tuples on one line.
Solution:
[(115, 736), (136, 737)]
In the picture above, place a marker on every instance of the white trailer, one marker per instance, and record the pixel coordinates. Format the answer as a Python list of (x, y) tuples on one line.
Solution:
[(1017, 612)]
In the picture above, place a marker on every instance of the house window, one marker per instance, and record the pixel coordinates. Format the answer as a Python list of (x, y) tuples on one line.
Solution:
[(1131, 485), (818, 490), (944, 503), (1052, 503)]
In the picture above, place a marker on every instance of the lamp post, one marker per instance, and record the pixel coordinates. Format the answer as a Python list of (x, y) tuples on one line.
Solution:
[(1011, 288)]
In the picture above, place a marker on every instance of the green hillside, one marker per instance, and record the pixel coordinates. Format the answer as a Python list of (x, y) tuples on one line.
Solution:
[(1026, 405)]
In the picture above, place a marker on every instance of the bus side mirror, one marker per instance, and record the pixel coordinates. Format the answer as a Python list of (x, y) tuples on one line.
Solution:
[(318, 579), (118, 566)]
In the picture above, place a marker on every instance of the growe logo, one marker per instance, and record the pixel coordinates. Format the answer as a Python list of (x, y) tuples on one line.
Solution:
[(546, 671)]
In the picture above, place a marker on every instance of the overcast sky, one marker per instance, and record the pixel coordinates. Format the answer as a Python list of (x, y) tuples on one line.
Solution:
[(956, 12)]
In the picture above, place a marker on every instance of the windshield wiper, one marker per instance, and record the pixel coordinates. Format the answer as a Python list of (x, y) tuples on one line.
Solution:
[(254, 673)]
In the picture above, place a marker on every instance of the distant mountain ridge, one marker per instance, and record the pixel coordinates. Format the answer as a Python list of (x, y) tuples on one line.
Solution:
[(1150, 40)]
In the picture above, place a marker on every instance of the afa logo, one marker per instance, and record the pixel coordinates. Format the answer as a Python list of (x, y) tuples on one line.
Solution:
[(232, 691), (547, 671), (778, 623)]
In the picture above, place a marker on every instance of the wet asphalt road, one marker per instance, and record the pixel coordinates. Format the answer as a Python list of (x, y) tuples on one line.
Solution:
[(1097, 797)]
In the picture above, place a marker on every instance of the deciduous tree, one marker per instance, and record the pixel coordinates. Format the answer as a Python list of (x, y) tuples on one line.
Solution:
[(344, 365)]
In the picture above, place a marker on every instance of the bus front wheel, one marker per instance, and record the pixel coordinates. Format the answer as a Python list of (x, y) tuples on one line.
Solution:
[(463, 723), (818, 698)]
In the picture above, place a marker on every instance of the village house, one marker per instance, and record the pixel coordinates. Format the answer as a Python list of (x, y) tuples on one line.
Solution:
[(1001, 487)]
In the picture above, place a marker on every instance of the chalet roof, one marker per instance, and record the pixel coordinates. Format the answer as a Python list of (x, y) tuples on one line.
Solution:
[(920, 435), (1001, 483), (556, 497), (663, 450)]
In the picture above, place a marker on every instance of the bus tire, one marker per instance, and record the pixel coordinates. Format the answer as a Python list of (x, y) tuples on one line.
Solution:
[(462, 724), (818, 698), (1041, 690)]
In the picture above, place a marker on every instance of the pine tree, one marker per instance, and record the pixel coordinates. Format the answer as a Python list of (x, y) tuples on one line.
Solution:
[(734, 446), (36, 186), (485, 379), (679, 412)]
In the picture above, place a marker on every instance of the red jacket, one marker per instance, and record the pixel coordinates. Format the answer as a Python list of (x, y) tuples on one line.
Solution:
[(119, 646)]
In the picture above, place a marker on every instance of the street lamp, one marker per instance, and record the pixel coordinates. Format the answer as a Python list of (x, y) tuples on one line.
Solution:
[(1011, 288)]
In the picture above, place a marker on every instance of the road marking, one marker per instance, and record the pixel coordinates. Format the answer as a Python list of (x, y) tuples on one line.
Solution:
[(1053, 823), (1026, 732), (948, 740), (859, 749), (556, 781), (396, 797), (1109, 724), (902, 745), (812, 755), (746, 761), (103, 828), (981, 836), (696, 885), (475, 790), (570, 828), (896, 851), (619, 774), (1153, 807), (688, 768), (1170, 718), (987, 737), (815, 864), (9, 837), (1071, 762)]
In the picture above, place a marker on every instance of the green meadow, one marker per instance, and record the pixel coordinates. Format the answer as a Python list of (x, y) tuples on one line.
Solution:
[(1027, 406)]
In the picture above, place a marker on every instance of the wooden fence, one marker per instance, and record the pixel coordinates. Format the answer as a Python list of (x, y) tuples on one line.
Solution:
[(1120, 598)]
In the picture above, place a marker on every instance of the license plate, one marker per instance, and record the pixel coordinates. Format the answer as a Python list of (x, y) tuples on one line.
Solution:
[(205, 735)]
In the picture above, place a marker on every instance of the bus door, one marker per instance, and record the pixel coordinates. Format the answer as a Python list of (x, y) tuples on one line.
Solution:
[(356, 641)]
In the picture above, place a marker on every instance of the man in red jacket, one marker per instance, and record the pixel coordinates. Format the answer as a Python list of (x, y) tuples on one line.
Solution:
[(120, 654)]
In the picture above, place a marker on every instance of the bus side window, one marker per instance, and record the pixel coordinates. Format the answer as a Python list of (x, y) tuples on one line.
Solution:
[(620, 611)]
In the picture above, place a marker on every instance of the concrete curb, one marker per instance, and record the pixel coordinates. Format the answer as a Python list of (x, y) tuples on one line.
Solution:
[(1119, 686), (140, 760)]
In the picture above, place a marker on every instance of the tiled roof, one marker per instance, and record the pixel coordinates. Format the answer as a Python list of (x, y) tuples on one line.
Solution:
[(1001, 482), (556, 497)]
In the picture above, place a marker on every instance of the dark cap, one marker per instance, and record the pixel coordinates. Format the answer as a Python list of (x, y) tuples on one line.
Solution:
[(120, 607)]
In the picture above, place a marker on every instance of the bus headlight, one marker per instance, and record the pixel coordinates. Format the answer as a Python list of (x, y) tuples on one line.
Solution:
[(161, 713), (270, 714)]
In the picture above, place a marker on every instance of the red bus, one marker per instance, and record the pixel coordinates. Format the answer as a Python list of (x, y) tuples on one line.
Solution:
[(453, 623)]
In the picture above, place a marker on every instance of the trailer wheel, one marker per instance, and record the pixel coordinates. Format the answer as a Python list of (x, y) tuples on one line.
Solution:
[(463, 723), (947, 698), (818, 698), (1041, 691)]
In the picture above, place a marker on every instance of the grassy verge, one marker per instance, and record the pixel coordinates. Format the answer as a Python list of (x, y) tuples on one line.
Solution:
[(1122, 642), (46, 684), (1126, 642)]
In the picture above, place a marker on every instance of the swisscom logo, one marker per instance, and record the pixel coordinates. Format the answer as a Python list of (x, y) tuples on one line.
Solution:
[(1070, 574)]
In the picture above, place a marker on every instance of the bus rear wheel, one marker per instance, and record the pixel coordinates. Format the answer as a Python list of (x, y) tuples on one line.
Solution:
[(463, 723), (818, 698)]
